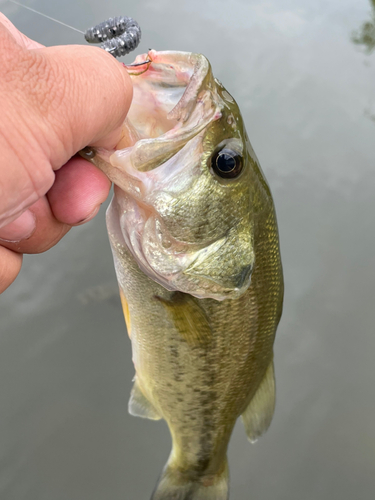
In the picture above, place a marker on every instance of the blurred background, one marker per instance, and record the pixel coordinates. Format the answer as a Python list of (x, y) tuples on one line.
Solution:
[(303, 74)]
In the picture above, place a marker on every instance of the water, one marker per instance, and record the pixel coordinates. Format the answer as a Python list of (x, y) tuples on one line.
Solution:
[(307, 94)]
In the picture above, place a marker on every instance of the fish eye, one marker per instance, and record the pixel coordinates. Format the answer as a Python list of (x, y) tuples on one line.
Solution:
[(227, 163)]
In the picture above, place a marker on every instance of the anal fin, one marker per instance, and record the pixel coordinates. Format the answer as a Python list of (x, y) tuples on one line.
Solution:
[(140, 406), (258, 414)]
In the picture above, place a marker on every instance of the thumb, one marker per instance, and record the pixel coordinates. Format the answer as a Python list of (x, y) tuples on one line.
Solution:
[(54, 102), (88, 94)]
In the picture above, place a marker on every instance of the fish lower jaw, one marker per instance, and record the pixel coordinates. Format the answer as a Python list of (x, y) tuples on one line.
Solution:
[(179, 281), (178, 278)]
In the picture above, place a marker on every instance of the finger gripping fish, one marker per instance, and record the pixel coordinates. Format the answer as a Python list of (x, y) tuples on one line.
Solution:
[(195, 243)]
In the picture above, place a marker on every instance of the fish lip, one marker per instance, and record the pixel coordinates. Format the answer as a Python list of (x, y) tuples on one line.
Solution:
[(174, 141), (193, 115), (176, 116)]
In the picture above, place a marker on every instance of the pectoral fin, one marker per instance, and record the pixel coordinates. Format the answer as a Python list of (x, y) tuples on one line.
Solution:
[(189, 318), (140, 406), (258, 415), (125, 309)]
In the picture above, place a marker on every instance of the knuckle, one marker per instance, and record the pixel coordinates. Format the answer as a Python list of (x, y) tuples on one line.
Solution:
[(29, 74), (37, 81)]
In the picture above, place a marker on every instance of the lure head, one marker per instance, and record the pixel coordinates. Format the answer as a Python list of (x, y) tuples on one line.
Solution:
[(186, 179)]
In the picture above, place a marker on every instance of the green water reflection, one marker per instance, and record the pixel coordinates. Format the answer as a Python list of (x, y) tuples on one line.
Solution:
[(365, 35)]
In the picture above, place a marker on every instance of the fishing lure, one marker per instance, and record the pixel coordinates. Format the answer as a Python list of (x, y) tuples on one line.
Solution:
[(118, 35)]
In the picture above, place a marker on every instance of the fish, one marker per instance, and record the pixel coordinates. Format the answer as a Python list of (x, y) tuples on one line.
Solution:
[(194, 236)]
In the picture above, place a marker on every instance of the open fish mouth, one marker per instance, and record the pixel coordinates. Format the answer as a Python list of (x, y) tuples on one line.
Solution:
[(173, 101), (158, 160)]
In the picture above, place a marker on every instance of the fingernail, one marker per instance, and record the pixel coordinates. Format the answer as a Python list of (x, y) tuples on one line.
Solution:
[(20, 229), (89, 217)]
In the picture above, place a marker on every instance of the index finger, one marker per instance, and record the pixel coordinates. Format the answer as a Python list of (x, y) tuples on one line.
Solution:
[(20, 38)]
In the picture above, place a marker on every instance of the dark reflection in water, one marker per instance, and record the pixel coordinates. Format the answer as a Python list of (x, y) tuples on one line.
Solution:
[(365, 36)]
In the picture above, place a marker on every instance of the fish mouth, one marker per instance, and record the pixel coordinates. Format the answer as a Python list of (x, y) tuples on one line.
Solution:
[(175, 99)]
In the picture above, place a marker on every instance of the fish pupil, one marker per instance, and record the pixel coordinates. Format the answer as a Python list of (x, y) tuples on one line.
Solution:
[(227, 163)]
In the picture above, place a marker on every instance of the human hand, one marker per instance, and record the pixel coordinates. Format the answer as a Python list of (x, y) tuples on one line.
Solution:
[(54, 101)]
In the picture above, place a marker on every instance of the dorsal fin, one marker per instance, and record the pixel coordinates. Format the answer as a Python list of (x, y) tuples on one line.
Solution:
[(258, 414)]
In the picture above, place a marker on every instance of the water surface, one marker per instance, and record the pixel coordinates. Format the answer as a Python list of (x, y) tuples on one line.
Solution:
[(307, 94)]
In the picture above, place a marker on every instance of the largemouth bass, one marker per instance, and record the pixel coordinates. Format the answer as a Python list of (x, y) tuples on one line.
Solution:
[(194, 237)]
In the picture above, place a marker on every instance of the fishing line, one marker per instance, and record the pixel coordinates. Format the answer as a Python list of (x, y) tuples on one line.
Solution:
[(45, 15), (118, 35)]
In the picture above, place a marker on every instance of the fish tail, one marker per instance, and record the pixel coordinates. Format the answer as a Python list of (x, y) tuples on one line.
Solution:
[(174, 485)]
